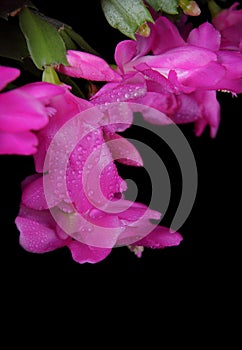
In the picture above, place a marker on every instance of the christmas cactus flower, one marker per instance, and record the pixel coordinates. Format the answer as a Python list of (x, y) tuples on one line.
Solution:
[(88, 223), (73, 113), (77, 201), (22, 113), (88, 66), (228, 23), (179, 78), (40, 233)]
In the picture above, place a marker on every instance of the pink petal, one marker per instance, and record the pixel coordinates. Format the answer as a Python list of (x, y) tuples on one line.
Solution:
[(92, 177), (132, 87), (231, 37), (178, 85), (124, 52), (169, 33), (8, 74), (228, 17), (188, 109), (210, 109), (28, 180), (133, 211), (87, 66), (43, 217), (43, 91), (37, 238), (165, 104), (184, 58), (33, 195), (160, 237), (123, 151), (22, 143), (20, 112), (205, 36), (205, 77), (118, 117), (103, 181), (232, 61), (136, 220), (200, 126), (229, 85), (153, 75), (95, 228), (66, 106), (83, 253), (82, 156), (228, 22), (144, 44)]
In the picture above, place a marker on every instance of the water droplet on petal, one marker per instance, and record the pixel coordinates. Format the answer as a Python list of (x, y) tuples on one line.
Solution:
[(90, 193)]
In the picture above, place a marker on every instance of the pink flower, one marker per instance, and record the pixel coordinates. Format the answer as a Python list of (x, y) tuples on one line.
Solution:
[(87, 66), (90, 236), (180, 78), (228, 22), (78, 201), (22, 114)]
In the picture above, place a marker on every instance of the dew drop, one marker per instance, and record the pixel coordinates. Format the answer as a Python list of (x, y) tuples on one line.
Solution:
[(90, 193), (95, 214)]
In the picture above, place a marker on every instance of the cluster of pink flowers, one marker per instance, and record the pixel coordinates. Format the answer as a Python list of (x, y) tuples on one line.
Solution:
[(176, 74)]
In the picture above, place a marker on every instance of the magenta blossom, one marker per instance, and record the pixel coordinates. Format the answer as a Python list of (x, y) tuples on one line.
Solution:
[(179, 78), (78, 201), (88, 66), (91, 233), (22, 114), (228, 22), (39, 233)]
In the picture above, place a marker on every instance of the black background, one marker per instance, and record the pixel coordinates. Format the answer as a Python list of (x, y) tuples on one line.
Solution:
[(176, 285)]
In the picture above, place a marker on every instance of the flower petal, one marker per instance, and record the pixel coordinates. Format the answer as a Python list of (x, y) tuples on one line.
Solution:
[(37, 238), (205, 36), (83, 253), (210, 109), (183, 58), (124, 52), (7, 75), (88, 66), (160, 237), (122, 150), (20, 112), (21, 143), (43, 91), (33, 195), (66, 106), (169, 33), (132, 87), (205, 77)]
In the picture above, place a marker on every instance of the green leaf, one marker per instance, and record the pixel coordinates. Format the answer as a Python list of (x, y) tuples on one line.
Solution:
[(70, 45), (168, 6), (78, 40), (70, 37), (50, 76), (45, 44), (126, 16), (214, 8), (12, 41)]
